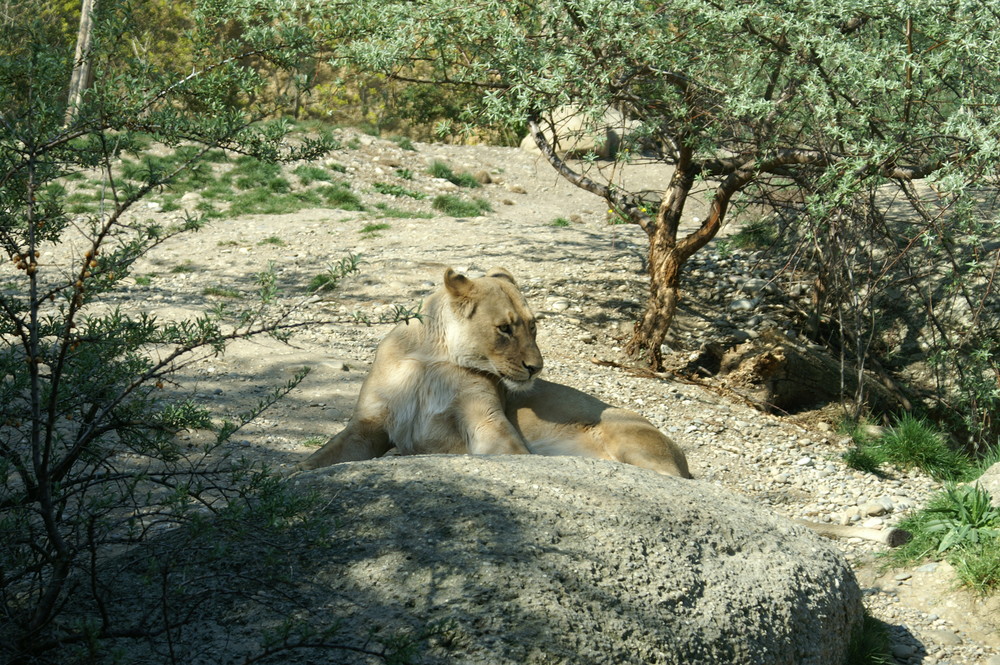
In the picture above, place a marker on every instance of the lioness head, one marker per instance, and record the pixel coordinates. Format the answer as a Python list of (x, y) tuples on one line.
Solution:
[(491, 328)]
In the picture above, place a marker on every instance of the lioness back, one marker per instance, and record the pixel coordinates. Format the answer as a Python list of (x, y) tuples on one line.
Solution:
[(558, 420)]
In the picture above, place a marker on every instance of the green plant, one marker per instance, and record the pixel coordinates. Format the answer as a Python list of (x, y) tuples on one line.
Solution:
[(208, 211), (870, 643), (266, 202), (190, 167), (397, 190), (397, 213), (615, 217), (989, 457), (911, 442), (314, 441), (373, 229), (309, 173), (970, 357), (757, 234), (272, 240), (404, 142), (334, 274), (862, 458), (978, 567), (439, 169), (340, 196), (723, 247), (963, 517), (91, 464), (560, 221), (455, 206), (251, 173), (183, 268), (82, 202)]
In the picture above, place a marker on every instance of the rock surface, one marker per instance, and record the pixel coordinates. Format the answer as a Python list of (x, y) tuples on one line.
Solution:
[(576, 134), (990, 481), (551, 560)]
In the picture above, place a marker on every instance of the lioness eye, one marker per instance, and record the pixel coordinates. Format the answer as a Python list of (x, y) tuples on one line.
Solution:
[(505, 329)]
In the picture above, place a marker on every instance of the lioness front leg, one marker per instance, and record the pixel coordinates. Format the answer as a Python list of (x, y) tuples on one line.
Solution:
[(355, 442), (496, 439), (489, 432)]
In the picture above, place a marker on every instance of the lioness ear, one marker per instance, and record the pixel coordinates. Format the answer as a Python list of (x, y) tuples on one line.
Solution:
[(500, 273), (458, 285)]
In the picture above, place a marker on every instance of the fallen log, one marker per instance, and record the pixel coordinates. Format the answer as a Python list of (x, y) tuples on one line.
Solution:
[(892, 536), (783, 376)]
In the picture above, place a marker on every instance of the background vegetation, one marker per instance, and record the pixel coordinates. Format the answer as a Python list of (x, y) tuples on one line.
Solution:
[(89, 461), (863, 135), (856, 140)]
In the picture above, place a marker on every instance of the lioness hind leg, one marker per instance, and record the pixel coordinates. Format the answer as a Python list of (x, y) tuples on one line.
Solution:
[(354, 442), (630, 438)]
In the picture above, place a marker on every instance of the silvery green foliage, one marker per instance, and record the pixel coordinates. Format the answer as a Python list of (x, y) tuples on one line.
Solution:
[(88, 412), (749, 77), (870, 129)]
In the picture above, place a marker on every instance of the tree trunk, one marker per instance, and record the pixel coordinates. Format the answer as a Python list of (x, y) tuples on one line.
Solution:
[(667, 255), (666, 258), (81, 77), (665, 265)]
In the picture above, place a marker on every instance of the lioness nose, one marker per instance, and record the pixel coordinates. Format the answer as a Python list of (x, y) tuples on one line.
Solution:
[(533, 369)]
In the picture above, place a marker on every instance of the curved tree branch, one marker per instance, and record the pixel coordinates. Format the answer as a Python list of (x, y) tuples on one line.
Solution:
[(627, 203)]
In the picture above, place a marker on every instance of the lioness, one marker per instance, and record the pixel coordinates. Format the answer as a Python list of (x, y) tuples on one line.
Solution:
[(463, 379)]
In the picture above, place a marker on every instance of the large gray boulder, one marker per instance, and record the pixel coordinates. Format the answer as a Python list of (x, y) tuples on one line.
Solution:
[(457, 560), (990, 481), (531, 559), (577, 134)]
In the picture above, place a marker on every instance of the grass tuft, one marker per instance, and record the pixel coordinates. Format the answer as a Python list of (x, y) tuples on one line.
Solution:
[(911, 443), (439, 169), (373, 229), (397, 190), (310, 173), (341, 197), (455, 206), (978, 567), (758, 234), (870, 643), (399, 213)]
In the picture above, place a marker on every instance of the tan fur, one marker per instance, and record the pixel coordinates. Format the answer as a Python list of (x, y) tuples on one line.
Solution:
[(462, 380)]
